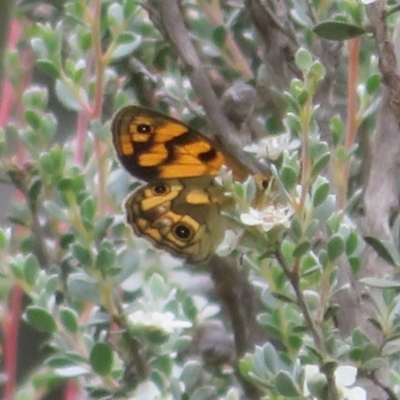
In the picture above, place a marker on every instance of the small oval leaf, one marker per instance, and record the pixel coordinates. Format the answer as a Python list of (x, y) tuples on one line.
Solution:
[(40, 319), (101, 358), (338, 30)]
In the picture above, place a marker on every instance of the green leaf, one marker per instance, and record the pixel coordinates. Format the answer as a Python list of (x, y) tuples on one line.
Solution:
[(303, 97), (130, 7), (176, 388), (320, 194), (189, 308), (101, 358), (301, 249), (246, 364), (351, 243), (191, 374), (337, 128), (358, 338), (69, 319), (164, 364), (101, 225), (127, 267), (2, 141), (158, 286), (288, 176), (373, 83), (106, 257), (31, 270), (83, 287), (17, 268), (88, 212), (355, 264), (375, 363), (3, 240), (71, 372), (336, 247), (85, 41), (381, 283), (317, 71), (82, 254), (33, 119), (34, 189), (39, 47), (219, 36), (53, 162), (295, 341), (285, 385), (128, 43), (323, 257), (204, 393), (55, 211), (338, 30), (66, 240), (49, 67), (40, 319), (52, 284), (115, 15), (60, 361), (271, 357), (80, 69), (303, 59), (70, 98), (384, 249), (320, 164)]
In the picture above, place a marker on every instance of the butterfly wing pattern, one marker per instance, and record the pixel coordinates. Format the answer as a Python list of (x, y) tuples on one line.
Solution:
[(179, 209)]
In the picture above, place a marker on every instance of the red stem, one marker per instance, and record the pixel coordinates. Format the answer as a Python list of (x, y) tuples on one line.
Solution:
[(81, 130), (351, 130), (11, 333), (11, 320)]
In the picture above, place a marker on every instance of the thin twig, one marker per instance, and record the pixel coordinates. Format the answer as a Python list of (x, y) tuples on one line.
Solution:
[(231, 52), (351, 125), (167, 17), (281, 28), (236, 295), (387, 57), (294, 281)]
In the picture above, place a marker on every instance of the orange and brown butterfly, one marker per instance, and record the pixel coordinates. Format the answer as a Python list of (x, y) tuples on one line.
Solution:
[(180, 208)]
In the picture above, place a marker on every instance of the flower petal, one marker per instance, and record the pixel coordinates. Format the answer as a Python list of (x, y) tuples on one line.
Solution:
[(356, 393), (345, 375)]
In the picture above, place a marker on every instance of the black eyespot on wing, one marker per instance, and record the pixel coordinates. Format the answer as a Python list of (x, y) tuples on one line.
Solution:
[(160, 189), (144, 128), (182, 232)]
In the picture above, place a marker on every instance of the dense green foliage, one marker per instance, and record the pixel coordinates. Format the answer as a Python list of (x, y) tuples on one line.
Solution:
[(129, 321)]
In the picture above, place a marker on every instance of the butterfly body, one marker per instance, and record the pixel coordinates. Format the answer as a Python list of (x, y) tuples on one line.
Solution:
[(180, 208)]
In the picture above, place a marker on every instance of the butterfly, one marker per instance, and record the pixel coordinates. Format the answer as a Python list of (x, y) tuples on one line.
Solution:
[(179, 209)]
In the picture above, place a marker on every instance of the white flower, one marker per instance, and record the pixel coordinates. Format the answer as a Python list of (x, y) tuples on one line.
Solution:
[(149, 391), (230, 242), (273, 146), (267, 218), (345, 376), (164, 321)]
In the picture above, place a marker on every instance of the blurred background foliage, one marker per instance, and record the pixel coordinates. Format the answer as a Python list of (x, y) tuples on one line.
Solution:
[(120, 319)]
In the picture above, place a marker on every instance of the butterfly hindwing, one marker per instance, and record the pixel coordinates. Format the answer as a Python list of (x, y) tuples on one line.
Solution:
[(182, 216)]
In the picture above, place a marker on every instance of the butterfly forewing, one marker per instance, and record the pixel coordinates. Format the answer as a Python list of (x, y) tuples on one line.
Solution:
[(152, 145)]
